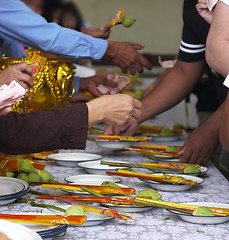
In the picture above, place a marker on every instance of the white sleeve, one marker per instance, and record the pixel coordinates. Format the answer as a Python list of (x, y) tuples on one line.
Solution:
[(84, 72), (225, 1)]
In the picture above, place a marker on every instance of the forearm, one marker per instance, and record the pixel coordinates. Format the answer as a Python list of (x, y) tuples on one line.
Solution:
[(44, 130), (172, 88), (218, 41), (224, 127), (19, 24)]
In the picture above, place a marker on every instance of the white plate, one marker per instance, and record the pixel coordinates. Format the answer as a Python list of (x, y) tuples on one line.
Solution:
[(86, 193), (94, 167), (72, 159), (10, 186), (159, 138), (202, 219), (17, 184), (163, 159), (173, 187), (15, 231), (113, 144), (92, 218), (89, 179)]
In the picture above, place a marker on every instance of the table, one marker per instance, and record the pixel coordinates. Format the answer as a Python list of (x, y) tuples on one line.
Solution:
[(157, 224)]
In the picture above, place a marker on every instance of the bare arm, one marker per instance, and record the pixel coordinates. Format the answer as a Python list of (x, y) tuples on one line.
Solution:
[(218, 40), (172, 88), (224, 128)]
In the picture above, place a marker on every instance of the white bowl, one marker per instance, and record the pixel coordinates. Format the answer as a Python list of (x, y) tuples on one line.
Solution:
[(113, 144), (202, 219), (172, 187), (94, 167), (72, 159), (86, 193), (93, 219), (89, 179), (15, 231), (164, 139)]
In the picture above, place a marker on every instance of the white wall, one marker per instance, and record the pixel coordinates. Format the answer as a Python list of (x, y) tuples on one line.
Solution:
[(158, 25)]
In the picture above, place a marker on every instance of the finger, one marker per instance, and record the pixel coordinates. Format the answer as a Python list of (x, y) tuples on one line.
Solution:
[(94, 91), (186, 156), (193, 159), (132, 70), (137, 104), (5, 111), (24, 67), (25, 78), (138, 46), (110, 83), (144, 62), (138, 67), (136, 113), (116, 131), (108, 130)]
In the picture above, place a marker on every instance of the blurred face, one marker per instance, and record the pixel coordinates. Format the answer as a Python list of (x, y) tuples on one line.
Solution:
[(69, 20), (35, 5), (56, 15)]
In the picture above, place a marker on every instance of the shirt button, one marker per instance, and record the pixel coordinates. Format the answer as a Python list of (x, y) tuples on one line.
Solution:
[(63, 138), (96, 55)]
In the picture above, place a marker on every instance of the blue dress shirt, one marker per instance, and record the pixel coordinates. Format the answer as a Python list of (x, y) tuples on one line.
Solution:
[(19, 24)]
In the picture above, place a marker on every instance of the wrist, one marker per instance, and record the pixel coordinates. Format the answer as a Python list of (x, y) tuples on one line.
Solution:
[(83, 84), (110, 49)]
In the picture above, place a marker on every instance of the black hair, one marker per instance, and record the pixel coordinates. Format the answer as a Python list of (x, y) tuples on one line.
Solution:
[(49, 7)]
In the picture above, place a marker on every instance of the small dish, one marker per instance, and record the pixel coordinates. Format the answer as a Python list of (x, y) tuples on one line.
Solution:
[(8, 187), (16, 231), (158, 138), (86, 193), (203, 219), (94, 167), (72, 159), (161, 158), (93, 219), (89, 179), (173, 187), (113, 144)]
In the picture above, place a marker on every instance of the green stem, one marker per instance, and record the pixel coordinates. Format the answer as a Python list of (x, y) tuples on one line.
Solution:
[(48, 206), (38, 193), (85, 189)]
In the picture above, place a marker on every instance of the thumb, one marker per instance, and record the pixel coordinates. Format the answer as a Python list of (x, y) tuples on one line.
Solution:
[(138, 46), (181, 152)]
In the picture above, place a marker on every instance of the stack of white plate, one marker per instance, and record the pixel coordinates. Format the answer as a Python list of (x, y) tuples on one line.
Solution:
[(12, 189)]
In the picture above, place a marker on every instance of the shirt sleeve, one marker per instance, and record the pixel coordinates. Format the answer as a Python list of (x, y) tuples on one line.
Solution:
[(44, 130), (19, 24), (192, 48)]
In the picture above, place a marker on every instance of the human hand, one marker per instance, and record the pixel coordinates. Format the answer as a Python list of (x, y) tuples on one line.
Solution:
[(199, 146), (97, 32), (126, 56), (202, 9), (115, 110), (22, 73), (5, 111), (90, 84)]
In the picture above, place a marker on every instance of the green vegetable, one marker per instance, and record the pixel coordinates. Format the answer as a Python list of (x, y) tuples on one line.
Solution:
[(138, 93), (9, 174), (34, 177), (109, 184), (74, 211), (149, 193), (203, 211), (191, 169), (128, 21), (23, 176), (46, 176), (178, 126), (171, 149), (26, 166), (166, 132)]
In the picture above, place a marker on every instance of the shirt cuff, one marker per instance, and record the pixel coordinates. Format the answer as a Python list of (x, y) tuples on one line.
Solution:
[(76, 83), (99, 48), (226, 81)]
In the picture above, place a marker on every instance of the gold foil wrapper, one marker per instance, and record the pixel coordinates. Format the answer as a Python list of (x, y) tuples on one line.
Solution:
[(53, 84)]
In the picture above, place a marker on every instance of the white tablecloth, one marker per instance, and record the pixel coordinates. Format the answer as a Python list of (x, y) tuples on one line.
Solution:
[(154, 224)]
